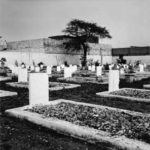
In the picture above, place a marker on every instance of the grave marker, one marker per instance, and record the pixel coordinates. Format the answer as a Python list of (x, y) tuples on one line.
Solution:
[(98, 70), (113, 80), (93, 68), (89, 68), (38, 88), (58, 69), (49, 70), (67, 72), (141, 67), (37, 69)]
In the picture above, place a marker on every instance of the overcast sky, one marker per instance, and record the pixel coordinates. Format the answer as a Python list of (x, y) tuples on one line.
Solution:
[(128, 21)]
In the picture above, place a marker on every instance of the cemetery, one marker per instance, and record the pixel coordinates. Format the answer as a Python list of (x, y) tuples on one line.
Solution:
[(74, 91), (115, 116), (90, 122)]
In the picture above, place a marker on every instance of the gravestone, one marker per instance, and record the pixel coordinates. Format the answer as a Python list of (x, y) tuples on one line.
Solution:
[(58, 69), (93, 68), (49, 70), (62, 66), (38, 88), (89, 68), (67, 72), (141, 67), (23, 75), (113, 80), (98, 70), (111, 66), (73, 68), (32, 68), (121, 70), (37, 69)]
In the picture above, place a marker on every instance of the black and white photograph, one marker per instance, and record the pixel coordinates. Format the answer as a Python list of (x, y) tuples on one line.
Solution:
[(74, 74)]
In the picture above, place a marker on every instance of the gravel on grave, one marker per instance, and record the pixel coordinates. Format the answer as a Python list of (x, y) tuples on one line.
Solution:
[(51, 84), (132, 93), (114, 122)]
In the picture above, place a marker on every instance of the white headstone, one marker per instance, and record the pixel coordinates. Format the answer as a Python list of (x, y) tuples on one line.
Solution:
[(38, 88), (67, 72), (89, 68), (93, 68), (41, 66), (23, 75), (23, 66), (111, 66), (58, 69), (73, 68), (49, 70), (37, 69), (98, 70), (122, 71), (62, 66), (145, 65), (141, 67), (113, 80), (32, 68)]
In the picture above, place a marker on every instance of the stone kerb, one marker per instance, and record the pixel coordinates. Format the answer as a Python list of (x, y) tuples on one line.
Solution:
[(146, 86), (7, 93), (113, 80), (38, 88), (5, 78), (140, 100)]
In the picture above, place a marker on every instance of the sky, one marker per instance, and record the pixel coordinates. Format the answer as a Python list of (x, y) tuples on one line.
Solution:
[(128, 21)]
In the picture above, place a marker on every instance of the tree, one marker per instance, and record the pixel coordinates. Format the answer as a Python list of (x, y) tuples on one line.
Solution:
[(80, 32)]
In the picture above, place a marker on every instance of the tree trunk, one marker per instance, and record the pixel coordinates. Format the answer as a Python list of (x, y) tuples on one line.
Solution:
[(84, 64)]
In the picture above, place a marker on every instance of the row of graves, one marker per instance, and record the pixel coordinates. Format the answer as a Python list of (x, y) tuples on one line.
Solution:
[(23, 75), (113, 127), (39, 100)]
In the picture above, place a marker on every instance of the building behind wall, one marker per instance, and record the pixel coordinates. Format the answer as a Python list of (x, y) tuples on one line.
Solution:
[(133, 53), (51, 52)]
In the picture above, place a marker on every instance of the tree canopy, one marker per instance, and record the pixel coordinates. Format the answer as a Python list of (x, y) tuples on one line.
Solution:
[(81, 32)]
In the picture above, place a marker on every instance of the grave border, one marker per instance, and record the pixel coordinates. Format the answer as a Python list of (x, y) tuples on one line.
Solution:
[(81, 132), (7, 93), (70, 86), (107, 94)]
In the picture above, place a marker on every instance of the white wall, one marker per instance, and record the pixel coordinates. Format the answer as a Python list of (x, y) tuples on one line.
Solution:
[(144, 58), (48, 59), (106, 59)]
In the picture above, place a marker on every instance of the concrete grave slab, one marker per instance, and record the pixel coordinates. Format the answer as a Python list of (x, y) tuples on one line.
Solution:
[(54, 86), (7, 93), (5, 78), (108, 94), (81, 132)]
